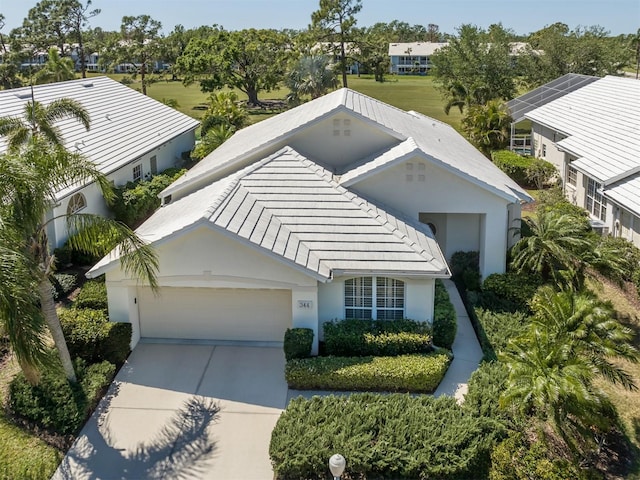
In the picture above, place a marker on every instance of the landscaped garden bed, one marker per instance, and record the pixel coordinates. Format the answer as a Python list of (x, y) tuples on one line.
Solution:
[(375, 355), (404, 373), (382, 436)]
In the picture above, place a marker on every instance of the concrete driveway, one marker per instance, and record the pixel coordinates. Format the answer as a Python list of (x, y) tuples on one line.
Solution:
[(184, 411)]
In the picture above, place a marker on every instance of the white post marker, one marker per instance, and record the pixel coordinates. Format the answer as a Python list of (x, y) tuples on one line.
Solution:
[(337, 464)]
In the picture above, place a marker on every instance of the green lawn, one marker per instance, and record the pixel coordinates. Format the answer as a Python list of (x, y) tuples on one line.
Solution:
[(405, 92)]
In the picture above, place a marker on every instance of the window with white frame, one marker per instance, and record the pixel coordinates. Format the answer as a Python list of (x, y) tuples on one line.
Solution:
[(137, 173), (594, 202), (572, 176), (380, 298), (76, 203)]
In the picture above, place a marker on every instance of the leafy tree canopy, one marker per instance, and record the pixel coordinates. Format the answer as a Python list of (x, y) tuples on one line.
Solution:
[(475, 67), (250, 60)]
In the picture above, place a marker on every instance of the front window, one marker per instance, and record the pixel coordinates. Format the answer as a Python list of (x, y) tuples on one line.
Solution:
[(137, 173), (384, 302), (76, 203), (595, 203), (572, 176)]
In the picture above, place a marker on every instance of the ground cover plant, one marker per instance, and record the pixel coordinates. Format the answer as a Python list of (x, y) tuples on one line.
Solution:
[(381, 436)]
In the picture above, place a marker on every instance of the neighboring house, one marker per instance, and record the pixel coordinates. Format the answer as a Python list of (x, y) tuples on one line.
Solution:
[(592, 135), (412, 58), (520, 106), (131, 138), (343, 207)]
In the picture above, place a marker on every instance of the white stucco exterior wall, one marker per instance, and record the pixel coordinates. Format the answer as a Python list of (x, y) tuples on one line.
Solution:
[(419, 298), (418, 188)]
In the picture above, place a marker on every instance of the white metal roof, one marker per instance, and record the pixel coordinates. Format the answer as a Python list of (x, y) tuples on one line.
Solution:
[(292, 208), (602, 124), (626, 193), (437, 140), (125, 124), (415, 48)]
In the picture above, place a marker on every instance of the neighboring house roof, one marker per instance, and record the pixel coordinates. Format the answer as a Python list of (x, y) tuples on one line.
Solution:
[(436, 140), (289, 207), (626, 192), (546, 93), (601, 122), (416, 48), (125, 124)]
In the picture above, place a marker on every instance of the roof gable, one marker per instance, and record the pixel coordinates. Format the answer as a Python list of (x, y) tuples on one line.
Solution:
[(290, 207), (125, 124), (435, 139)]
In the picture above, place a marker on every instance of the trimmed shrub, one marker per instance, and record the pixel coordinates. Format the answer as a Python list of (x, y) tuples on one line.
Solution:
[(495, 329), (357, 337), (509, 290), (93, 338), (66, 255), (445, 320), (57, 404), (381, 436), (137, 200), (627, 257), (92, 295), (297, 343), (406, 373), (514, 165), (63, 284), (465, 270), (526, 171)]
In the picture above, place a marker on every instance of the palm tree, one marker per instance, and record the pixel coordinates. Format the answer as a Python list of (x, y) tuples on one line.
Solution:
[(215, 136), (555, 247), (57, 68), (39, 121), (36, 152), (313, 75), (571, 340), (488, 126)]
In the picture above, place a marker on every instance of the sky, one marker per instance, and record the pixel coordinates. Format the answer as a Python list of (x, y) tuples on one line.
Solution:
[(522, 16)]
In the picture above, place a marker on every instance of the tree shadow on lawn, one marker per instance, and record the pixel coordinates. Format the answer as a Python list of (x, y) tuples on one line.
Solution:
[(179, 450)]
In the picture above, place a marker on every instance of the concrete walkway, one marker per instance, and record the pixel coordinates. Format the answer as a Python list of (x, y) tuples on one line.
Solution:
[(466, 350)]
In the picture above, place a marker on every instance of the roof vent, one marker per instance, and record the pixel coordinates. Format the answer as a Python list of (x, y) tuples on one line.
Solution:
[(87, 84), (23, 95)]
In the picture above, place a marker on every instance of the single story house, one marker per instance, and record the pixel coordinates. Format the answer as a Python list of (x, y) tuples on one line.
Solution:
[(131, 137), (343, 207), (592, 136)]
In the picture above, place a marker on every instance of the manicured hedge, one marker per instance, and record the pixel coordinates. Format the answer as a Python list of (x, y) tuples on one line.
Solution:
[(57, 404), (445, 320), (297, 343), (93, 338), (381, 436), (525, 171), (406, 373), (355, 337), (93, 294)]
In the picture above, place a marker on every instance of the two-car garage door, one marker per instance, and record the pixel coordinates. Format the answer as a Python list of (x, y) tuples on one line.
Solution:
[(215, 313)]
